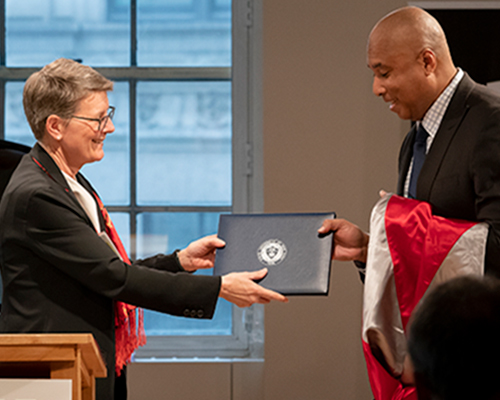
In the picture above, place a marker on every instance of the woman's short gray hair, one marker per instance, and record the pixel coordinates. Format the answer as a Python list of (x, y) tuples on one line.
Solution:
[(56, 90)]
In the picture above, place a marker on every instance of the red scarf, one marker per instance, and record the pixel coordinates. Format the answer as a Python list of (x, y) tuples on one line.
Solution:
[(129, 332)]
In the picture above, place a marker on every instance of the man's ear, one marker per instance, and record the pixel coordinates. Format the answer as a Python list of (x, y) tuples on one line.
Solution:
[(53, 127), (429, 61)]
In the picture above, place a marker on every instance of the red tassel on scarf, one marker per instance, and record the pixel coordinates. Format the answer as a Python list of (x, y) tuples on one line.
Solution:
[(129, 320)]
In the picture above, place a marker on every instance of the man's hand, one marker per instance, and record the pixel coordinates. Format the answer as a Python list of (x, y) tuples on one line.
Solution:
[(200, 253), (350, 243), (239, 288)]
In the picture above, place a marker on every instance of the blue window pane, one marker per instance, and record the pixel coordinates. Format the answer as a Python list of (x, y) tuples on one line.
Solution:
[(111, 175), (40, 31), (17, 128), (223, 3), (184, 33), (183, 128), (121, 221), (184, 143), (163, 233)]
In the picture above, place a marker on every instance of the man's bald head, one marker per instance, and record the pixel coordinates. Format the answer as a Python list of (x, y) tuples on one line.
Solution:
[(411, 29), (411, 61)]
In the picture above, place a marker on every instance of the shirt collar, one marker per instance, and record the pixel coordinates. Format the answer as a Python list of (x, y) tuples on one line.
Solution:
[(433, 117)]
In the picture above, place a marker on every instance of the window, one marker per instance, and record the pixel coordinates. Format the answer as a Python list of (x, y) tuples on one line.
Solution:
[(187, 130)]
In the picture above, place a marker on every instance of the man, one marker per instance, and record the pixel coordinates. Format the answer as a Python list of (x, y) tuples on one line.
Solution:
[(449, 160), (63, 266), (460, 177), (453, 340)]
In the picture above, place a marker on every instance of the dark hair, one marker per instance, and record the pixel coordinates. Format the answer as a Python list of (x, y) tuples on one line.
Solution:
[(454, 340)]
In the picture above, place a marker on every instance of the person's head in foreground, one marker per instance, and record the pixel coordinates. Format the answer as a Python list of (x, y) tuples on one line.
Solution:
[(453, 341)]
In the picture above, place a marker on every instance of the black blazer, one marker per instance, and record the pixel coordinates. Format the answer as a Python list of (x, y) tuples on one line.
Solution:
[(60, 277), (460, 177)]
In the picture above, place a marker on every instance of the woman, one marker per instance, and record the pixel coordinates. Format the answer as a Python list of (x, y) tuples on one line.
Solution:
[(63, 266)]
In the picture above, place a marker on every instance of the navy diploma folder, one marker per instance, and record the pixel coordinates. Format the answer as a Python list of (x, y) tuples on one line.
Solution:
[(298, 259)]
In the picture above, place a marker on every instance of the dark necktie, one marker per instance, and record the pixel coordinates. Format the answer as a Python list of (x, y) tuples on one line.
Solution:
[(419, 148)]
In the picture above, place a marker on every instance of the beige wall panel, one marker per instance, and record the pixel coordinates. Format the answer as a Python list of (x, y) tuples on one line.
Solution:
[(329, 145)]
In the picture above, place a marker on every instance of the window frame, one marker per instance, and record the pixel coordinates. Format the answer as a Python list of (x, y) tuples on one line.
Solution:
[(246, 340)]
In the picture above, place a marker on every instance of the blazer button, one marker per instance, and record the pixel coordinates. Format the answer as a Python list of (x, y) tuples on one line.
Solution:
[(200, 313), (193, 313), (186, 313)]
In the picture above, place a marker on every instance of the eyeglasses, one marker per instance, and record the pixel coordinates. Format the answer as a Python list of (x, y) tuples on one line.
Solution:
[(102, 121)]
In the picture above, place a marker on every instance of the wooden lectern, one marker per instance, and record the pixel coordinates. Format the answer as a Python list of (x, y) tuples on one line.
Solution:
[(54, 356)]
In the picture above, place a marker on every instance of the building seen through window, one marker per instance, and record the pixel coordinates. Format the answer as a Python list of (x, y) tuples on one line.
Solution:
[(167, 173)]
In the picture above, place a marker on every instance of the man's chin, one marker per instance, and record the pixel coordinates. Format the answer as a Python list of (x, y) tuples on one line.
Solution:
[(402, 114)]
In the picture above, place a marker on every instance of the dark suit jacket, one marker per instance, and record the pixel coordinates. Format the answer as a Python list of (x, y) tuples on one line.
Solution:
[(59, 276), (460, 177)]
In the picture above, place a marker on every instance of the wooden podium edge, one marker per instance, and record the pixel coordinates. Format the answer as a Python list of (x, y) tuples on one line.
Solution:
[(91, 354)]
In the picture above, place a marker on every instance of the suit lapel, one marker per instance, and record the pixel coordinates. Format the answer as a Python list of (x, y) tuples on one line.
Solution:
[(456, 112)]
